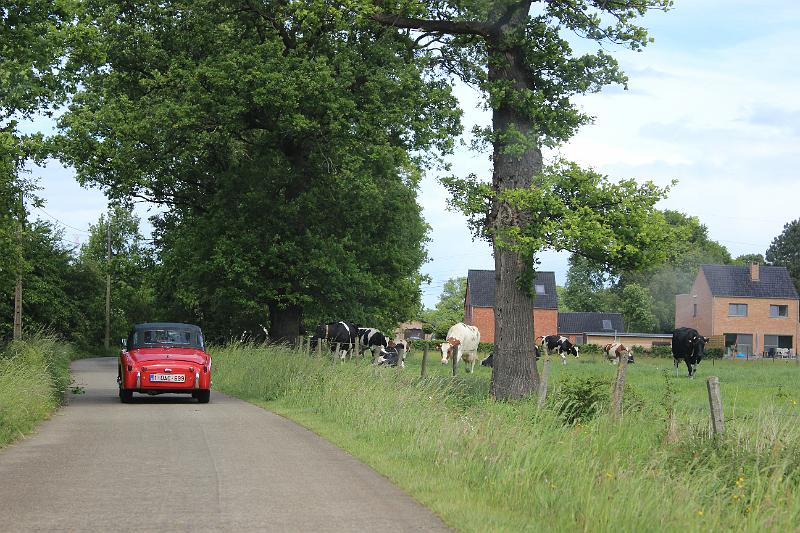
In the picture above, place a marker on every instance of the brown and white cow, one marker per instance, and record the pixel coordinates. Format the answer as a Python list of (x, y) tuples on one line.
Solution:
[(615, 350), (463, 339)]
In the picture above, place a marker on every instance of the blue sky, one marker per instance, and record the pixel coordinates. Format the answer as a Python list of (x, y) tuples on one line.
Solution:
[(713, 103)]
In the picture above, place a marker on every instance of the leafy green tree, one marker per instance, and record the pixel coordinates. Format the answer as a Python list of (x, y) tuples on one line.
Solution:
[(450, 307), (288, 143), (34, 64), (51, 299), (748, 259), (636, 305), (516, 53), (586, 288), (131, 265), (785, 250), (676, 274)]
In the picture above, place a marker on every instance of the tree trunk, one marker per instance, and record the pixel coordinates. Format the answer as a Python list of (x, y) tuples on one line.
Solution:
[(514, 374), (284, 323)]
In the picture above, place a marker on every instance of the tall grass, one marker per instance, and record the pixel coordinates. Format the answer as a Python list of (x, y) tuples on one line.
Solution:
[(488, 466), (34, 376)]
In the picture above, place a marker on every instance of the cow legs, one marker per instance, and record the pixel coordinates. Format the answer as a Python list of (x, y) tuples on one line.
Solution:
[(563, 359)]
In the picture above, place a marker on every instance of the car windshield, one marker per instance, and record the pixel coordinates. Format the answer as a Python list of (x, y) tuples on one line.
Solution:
[(167, 337)]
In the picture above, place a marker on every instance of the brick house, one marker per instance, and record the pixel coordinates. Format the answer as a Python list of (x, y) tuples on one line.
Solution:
[(755, 308), (479, 303)]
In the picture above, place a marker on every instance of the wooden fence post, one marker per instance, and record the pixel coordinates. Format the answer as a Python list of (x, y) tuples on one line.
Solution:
[(357, 348), (319, 348), (308, 347), (424, 371), (335, 352), (401, 357), (454, 354), (619, 387), (543, 380), (715, 403)]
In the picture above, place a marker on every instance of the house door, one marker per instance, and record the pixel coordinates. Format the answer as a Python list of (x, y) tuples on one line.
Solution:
[(738, 344)]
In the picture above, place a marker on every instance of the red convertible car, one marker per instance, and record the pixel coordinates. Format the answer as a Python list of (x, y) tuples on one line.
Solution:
[(160, 358)]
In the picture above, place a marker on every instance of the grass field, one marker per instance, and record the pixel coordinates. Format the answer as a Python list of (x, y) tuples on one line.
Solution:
[(34, 375), (488, 466)]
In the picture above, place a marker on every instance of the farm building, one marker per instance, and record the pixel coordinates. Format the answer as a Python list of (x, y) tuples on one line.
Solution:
[(755, 308)]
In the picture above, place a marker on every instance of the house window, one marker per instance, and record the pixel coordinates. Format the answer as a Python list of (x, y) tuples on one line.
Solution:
[(778, 311), (607, 324), (777, 345), (737, 309), (540, 289)]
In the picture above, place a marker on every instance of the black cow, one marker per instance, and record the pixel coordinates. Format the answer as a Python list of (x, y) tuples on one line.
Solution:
[(560, 345), (342, 333), (688, 344), (371, 339), (490, 360)]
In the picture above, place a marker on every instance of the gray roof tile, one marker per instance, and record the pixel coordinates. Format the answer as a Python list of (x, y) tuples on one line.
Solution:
[(734, 280), (583, 322), (481, 289)]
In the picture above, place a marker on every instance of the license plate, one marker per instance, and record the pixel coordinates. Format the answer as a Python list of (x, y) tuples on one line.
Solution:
[(170, 378)]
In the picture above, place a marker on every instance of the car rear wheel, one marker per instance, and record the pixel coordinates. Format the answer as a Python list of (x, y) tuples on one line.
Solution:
[(203, 396), (125, 395)]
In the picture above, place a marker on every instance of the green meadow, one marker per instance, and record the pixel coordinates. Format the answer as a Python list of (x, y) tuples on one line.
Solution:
[(488, 466)]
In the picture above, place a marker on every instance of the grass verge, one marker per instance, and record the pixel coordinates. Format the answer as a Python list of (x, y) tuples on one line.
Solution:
[(34, 376), (488, 466)]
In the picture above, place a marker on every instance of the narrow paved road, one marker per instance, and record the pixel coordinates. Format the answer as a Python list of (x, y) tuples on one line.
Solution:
[(169, 464)]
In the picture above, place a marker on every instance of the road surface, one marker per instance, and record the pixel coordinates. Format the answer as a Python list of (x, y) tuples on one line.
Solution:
[(167, 463)]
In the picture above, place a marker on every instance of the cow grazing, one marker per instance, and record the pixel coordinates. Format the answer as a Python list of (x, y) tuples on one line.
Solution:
[(373, 340), (464, 340), (340, 333), (560, 345), (615, 350), (688, 344), (489, 361)]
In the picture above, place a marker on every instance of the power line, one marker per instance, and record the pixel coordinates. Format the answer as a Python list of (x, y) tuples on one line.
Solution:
[(63, 223)]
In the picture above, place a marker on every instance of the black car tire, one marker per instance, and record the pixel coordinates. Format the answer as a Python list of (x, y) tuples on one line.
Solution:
[(203, 396), (125, 395)]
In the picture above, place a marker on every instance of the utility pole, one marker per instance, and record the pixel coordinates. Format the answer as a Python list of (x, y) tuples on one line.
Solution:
[(18, 289), (108, 281)]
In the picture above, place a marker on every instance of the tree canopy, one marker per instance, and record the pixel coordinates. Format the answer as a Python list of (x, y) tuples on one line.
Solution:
[(449, 309), (785, 250), (287, 142)]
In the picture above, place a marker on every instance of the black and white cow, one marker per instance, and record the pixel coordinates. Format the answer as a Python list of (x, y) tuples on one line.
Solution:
[(688, 344), (342, 333), (373, 340), (490, 360), (560, 345), (393, 355)]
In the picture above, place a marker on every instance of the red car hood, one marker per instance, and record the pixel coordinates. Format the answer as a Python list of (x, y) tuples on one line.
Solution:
[(150, 355)]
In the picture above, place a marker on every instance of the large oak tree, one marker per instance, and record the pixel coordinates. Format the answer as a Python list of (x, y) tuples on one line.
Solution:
[(514, 51)]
